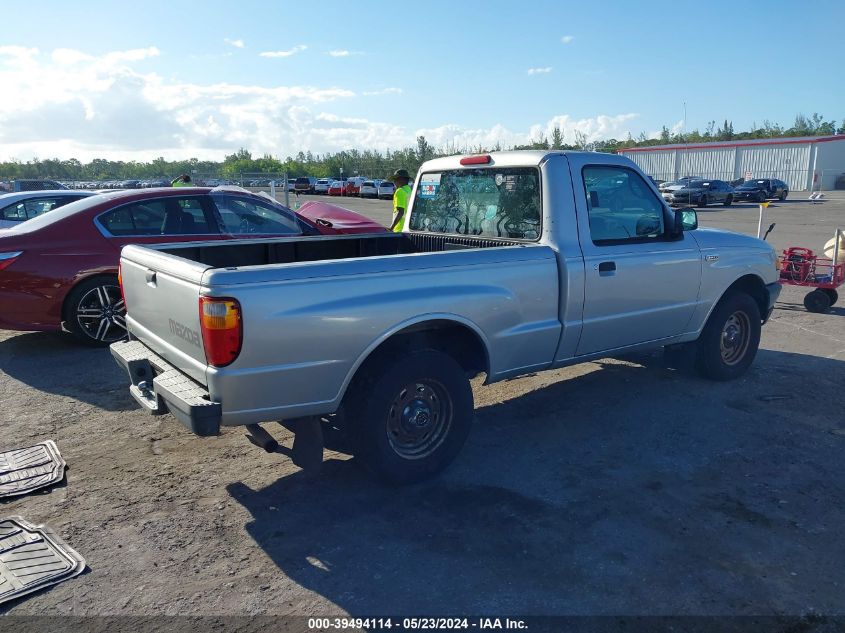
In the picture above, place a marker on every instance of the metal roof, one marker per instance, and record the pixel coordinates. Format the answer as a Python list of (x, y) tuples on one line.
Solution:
[(743, 143)]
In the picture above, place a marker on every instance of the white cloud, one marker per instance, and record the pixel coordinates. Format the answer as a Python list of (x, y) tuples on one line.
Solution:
[(594, 129), (67, 103), (291, 51), (540, 71), (567, 39), (343, 53), (383, 91), (236, 43)]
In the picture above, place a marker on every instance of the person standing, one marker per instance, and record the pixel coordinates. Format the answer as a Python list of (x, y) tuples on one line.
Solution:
[(182, 181), (401, 198)]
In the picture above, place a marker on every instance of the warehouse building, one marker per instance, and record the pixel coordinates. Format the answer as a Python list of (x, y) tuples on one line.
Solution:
[(808, 163)]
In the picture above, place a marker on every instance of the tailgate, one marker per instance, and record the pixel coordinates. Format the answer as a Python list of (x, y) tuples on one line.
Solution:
[(162, 303)]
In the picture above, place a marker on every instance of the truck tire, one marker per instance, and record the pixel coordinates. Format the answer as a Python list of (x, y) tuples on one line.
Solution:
[(728, 344), (831, 294), (410, 415), (94, 311)]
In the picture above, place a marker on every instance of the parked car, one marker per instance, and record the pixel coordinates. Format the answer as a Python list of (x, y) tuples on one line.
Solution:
[(352, 187), (387, 330), (30, 184), (337, 188), (59, 270), (322, 185), (19, 207), (368, 189), (304, 184), (761, 189), (701, 193), (674, 185), (386, 189)]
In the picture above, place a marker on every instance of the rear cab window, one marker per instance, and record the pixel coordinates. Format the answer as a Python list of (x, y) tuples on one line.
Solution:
[(492, 202)]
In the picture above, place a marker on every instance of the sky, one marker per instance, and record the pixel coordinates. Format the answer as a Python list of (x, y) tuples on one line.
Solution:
[(97, 79)]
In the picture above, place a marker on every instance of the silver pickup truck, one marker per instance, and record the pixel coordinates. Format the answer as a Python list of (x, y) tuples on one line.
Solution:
[(510, 263)]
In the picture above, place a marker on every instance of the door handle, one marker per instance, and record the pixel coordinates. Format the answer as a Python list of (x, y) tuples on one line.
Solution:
[(607, 267), (151, 277)]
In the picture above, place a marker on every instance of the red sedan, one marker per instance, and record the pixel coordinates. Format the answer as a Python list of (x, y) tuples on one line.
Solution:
[(337, 188), (58, 271)]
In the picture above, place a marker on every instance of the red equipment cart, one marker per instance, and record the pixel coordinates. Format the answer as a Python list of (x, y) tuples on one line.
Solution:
[(802, 267)]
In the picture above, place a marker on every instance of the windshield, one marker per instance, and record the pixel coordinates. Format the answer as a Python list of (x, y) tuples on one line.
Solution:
[(492, 202)]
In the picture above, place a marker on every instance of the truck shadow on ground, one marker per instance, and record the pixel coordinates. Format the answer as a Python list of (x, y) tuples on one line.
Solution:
[(628, 489), (55, 363)]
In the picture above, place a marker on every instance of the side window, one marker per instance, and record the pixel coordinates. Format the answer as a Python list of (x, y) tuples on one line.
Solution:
[(620, 205), (42, 205), (165, 216), (243, 216), (15, 212)]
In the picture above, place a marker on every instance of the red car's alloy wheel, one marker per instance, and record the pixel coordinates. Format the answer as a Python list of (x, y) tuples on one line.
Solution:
[(101, 314)]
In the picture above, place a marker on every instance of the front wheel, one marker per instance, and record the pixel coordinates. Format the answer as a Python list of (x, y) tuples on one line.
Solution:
[(783, 195), (95, 313), (703, 202), (410, 415), (831, 294), (761, 196), (728, 344), (729, 201)]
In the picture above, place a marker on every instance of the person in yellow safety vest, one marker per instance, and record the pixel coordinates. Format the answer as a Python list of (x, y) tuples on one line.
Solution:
[(401, 198), (182, 181)]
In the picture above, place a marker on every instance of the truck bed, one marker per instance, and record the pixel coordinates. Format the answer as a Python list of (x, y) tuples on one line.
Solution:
[(312, 249)]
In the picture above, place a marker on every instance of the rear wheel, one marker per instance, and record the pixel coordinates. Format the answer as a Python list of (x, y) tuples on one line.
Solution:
[(728, 344), (831, 294), (783, 195), (409, 415), (761, 196), (95, 313), (818, 301)]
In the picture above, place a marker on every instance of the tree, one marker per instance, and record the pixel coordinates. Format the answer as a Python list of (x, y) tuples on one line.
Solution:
[(557, 138), (424, 149)]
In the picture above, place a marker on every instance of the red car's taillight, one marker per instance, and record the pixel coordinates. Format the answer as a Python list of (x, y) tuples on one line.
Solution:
[(6, 259), (222, 329)]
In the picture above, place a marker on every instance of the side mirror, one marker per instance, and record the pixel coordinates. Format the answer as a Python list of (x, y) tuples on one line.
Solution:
[(685, 220)]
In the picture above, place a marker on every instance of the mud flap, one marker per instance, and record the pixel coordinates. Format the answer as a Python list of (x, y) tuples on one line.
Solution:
[(307, 442), (26, 469), (33, 557)]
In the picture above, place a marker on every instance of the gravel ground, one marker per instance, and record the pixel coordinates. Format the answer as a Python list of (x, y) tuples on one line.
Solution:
[(613, 487)]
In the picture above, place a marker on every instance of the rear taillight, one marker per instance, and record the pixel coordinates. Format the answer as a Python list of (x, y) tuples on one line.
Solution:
[(222, 329), (120, 282), (6, 259)]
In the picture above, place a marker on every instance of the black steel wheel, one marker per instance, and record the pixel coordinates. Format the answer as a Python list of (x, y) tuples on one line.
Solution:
[(831, 294), (818, 301), (729, 341), (95, 313), (409, 414)]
